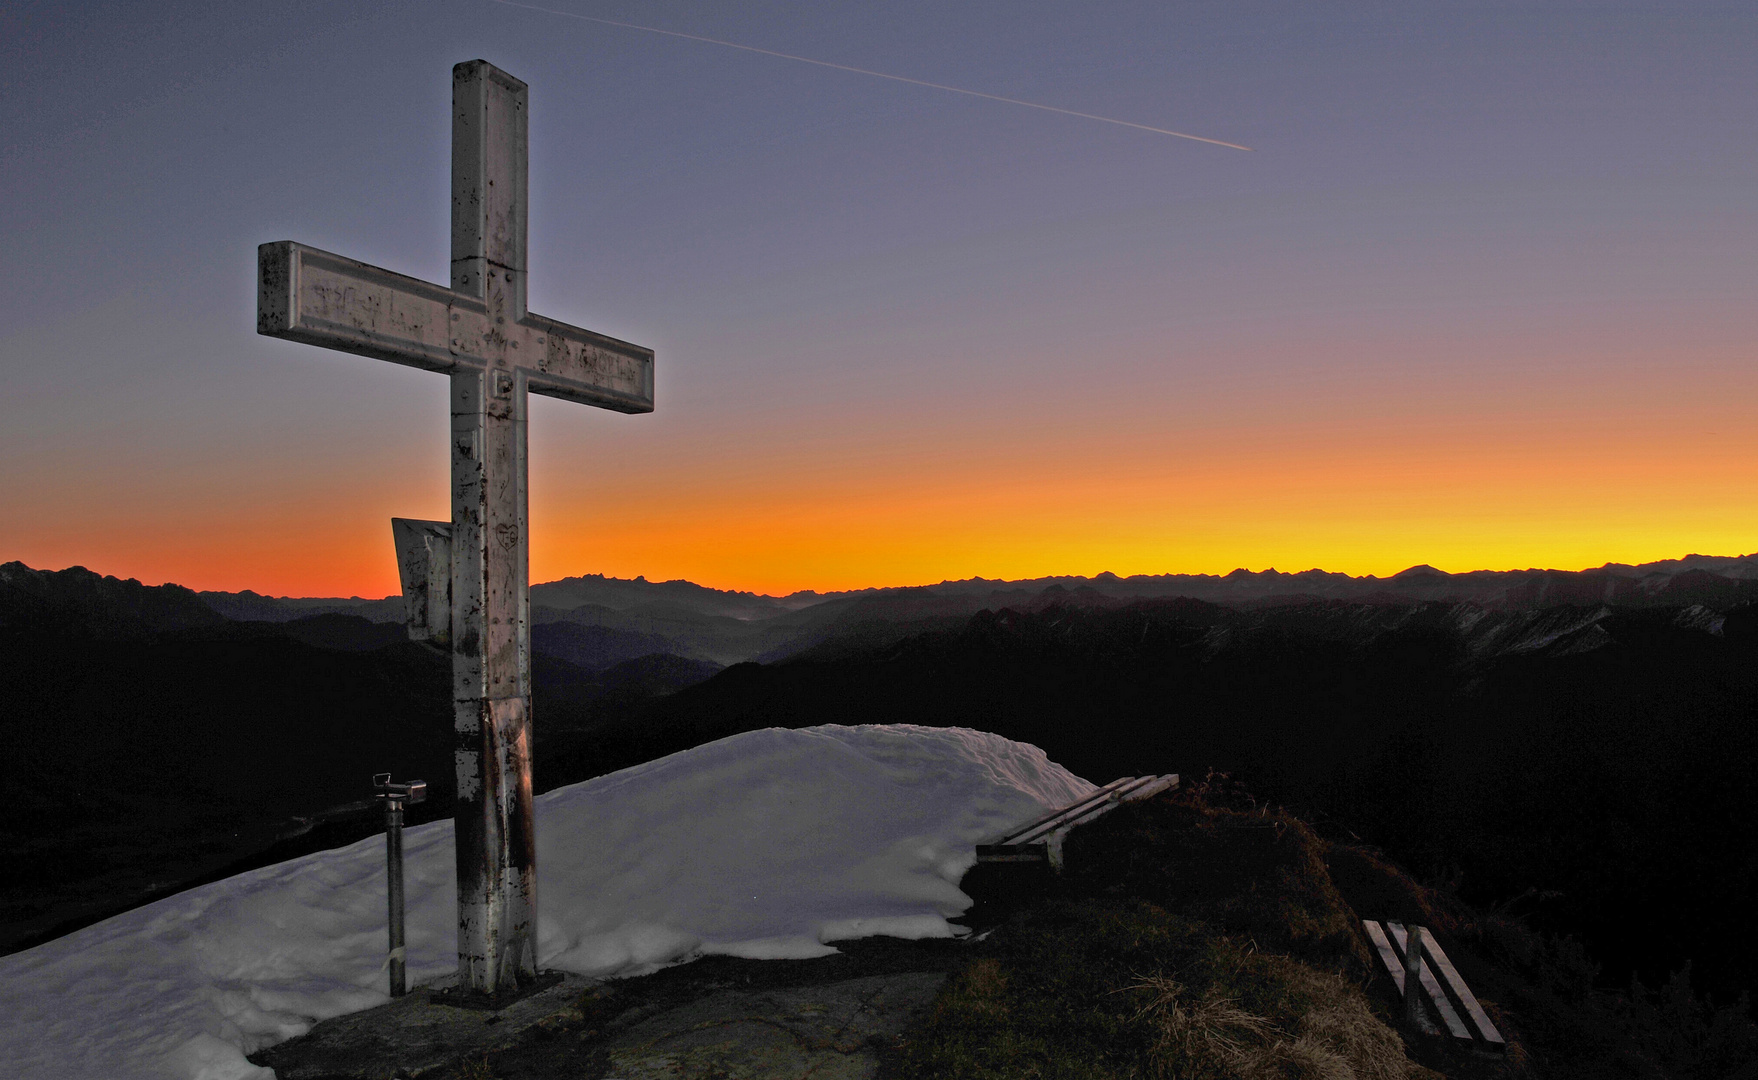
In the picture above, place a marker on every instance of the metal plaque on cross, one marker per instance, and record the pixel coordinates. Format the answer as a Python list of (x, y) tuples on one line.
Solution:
[(496, 352)]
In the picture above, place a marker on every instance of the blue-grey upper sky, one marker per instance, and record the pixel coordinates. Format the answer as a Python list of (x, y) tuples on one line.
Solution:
[(905, 334)]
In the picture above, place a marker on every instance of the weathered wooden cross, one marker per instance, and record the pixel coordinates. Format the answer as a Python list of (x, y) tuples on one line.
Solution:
[(495, 351)]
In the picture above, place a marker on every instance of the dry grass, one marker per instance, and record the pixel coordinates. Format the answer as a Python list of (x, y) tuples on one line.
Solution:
[(979, 992), (1190, 1031), (1337, 1037), (1187, 941), (475, 1070), (1121, 988), (1259, 874)]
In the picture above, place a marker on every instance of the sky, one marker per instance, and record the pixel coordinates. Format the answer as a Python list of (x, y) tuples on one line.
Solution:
[(1482, 294)]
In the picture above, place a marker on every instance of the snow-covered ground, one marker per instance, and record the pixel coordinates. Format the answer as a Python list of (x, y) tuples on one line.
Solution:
[(768, 844)]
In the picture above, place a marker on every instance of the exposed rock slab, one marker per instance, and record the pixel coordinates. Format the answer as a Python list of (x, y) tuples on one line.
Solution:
[(412, 1037), (828, 1031)]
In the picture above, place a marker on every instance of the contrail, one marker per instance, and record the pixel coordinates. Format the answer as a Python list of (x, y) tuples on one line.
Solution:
[(875, 74)]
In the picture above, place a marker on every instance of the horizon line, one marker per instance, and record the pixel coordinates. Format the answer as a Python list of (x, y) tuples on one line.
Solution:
[(1102, 574)]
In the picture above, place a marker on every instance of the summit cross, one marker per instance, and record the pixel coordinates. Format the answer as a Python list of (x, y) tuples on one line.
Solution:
[(496, 352)]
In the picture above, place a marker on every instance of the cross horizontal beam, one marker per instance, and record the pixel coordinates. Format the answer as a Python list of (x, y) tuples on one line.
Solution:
[(312, 296)]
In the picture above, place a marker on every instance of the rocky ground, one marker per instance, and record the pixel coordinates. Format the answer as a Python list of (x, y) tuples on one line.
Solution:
[(833, 1018)]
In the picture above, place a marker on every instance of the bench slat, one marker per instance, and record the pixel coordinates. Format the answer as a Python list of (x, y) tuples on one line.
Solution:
[(1463, 993), (1384, 948), (1141, 787), (1117, 796), (1153, 787), (1040, 840), (1449, 1015), (1026, 832), (1013, 853)]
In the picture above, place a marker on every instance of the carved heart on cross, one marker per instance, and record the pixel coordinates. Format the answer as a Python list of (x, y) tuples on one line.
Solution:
[(508, 534)]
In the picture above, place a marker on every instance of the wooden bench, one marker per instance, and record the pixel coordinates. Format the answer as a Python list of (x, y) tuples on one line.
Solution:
[(1040, 841), (1448, 993)]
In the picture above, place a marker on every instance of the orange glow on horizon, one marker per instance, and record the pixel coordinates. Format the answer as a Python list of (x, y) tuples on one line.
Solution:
[(1567, 496), (1566, 460)]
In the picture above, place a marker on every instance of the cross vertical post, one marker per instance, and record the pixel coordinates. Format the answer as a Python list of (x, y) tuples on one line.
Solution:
[(491, 657)]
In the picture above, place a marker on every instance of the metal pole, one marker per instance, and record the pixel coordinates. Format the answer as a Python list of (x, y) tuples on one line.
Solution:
[(395, 795), (1413, 976), (394, 891)]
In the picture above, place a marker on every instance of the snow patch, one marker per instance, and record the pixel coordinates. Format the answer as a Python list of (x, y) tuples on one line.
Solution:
[(770, 844)]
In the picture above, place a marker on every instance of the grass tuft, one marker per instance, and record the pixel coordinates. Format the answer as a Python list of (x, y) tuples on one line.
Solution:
[(1190, 1033), (476, 1070)]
